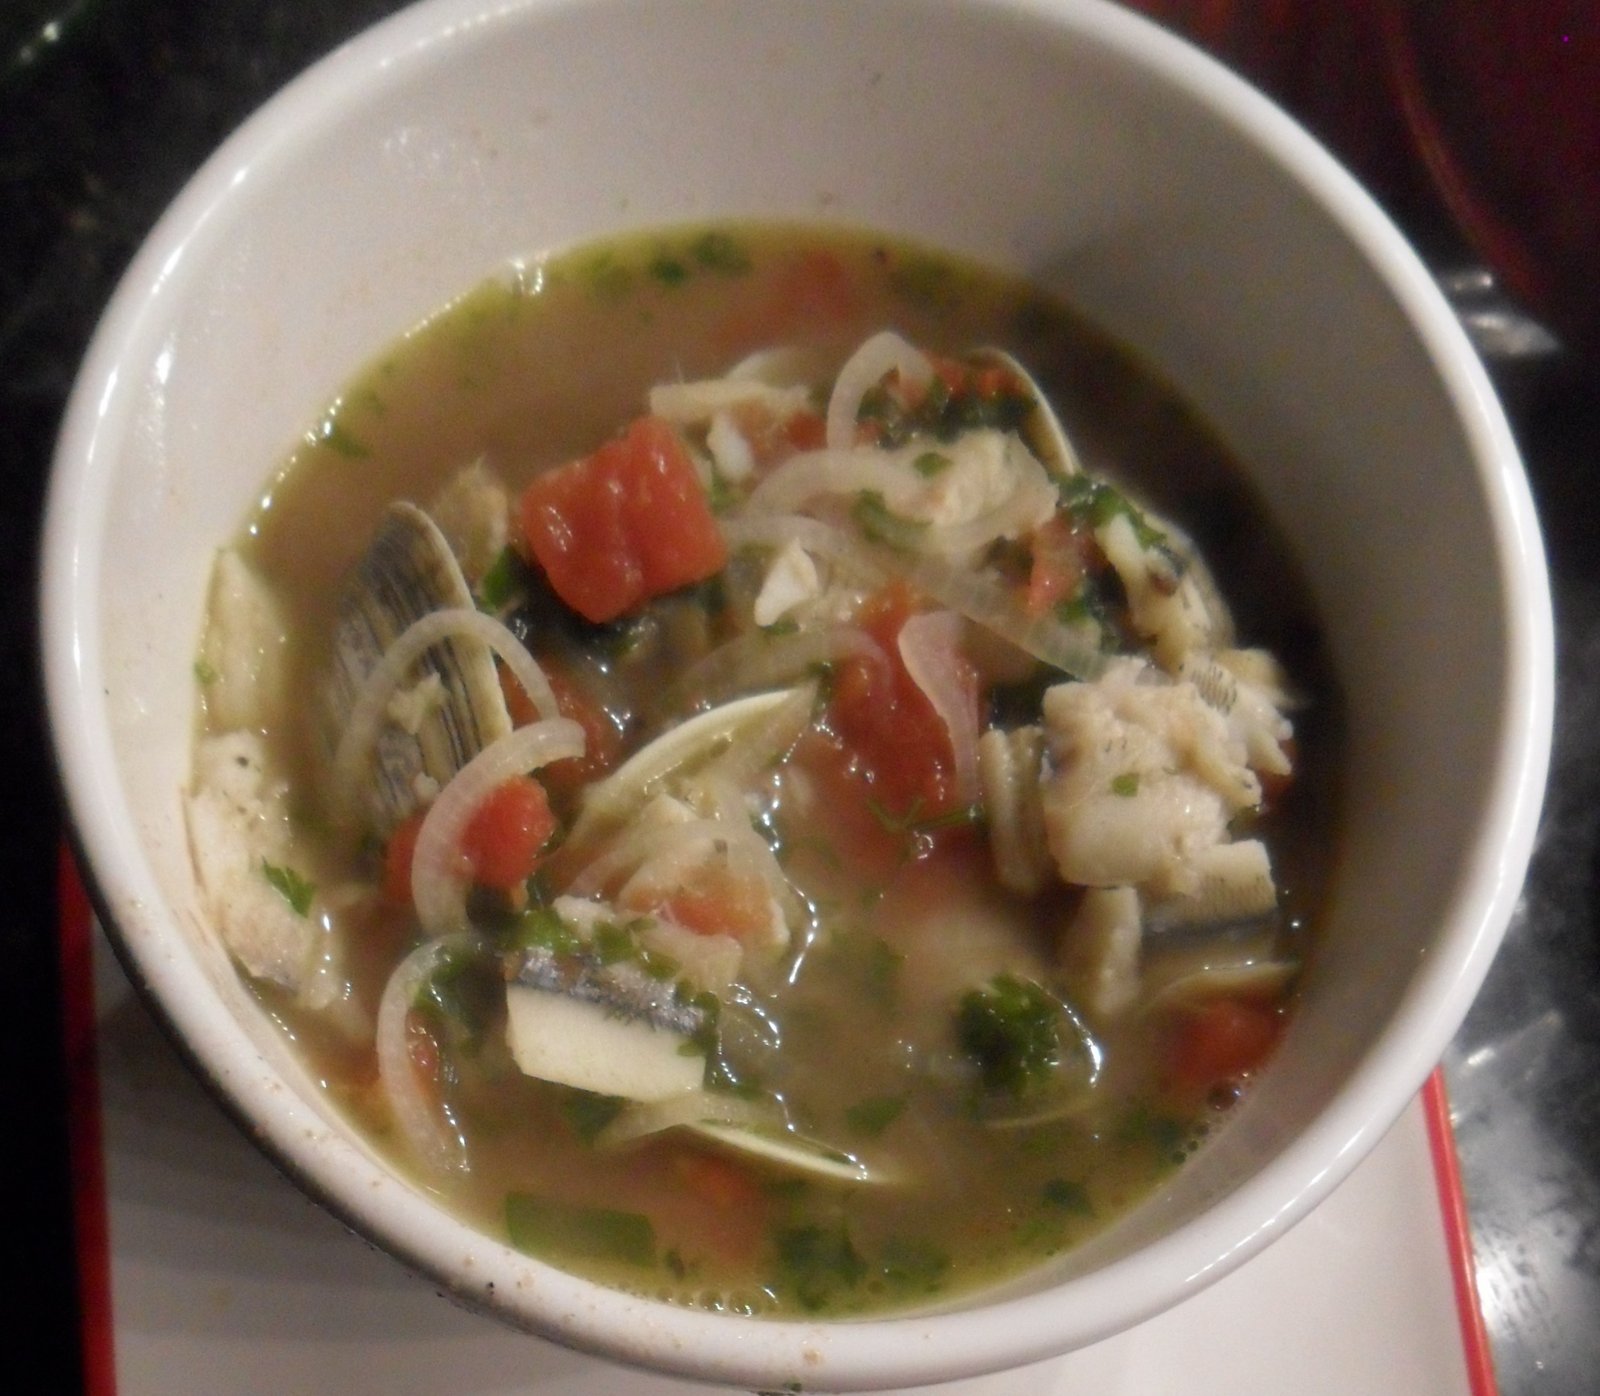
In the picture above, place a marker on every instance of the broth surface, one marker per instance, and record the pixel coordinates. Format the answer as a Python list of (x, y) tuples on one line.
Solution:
[(863, 1028)]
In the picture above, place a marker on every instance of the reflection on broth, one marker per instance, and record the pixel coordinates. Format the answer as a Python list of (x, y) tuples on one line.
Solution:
[(722, 756)]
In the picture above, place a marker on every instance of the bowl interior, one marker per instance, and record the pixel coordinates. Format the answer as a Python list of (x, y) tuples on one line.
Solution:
[(1070, 141)]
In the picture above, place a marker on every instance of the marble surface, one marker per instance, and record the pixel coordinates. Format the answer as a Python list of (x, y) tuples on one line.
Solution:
[(106, 107)]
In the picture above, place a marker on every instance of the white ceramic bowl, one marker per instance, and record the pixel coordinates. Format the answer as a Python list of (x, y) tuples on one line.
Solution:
[(1066, 138)]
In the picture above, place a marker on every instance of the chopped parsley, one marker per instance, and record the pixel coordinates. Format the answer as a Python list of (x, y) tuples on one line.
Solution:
[(289, 885), (1011, 1029), (870, 1118), (1126, 784), (544, 1227), (719, 251)]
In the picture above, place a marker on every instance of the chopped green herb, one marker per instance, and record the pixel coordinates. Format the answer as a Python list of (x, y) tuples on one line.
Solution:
[(1126, 784), (912, 1266), (719, 251), (614, 943), (881, 524), (819, 1262), (333, 435), (1097, 503), (871, 1117), (1166, 1135), (606, 277), (668, 270), (542, 929), (289, 885), (931, 463), (787, 625), (1012, 1030), (204, 673), (501, 583), (1068, 1196), (588, 1113), (544, 1227)]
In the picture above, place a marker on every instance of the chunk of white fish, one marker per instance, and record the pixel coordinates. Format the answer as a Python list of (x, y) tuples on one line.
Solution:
[(239, 833), (1098, 953)]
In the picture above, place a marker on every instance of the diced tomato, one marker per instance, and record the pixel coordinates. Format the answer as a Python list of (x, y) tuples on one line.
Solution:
[(1221, 1040), (397, 855), (772, 439), (1059, 564), (623, 525), (504, 837), (719, 1181), (899, 742), (602, 742), (718, 900)]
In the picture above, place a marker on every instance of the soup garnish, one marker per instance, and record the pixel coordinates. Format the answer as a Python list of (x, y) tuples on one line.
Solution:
[(812, 844)]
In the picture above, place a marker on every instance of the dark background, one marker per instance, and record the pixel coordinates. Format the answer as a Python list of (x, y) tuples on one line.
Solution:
[(1476, 123)]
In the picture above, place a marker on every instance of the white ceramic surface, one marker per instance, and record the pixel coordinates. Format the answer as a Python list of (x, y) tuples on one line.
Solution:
[(1063, 137)]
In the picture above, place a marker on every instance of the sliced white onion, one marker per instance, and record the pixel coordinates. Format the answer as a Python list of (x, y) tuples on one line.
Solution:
[(821, 540), (745, 760), (1029, 503), (692, 404), (421, 1121), (438, 878), (1074, 650), (371, 702), (698, 1108), (883, 353), (842, 470), (682, 845), (762, 660), (930, 646)]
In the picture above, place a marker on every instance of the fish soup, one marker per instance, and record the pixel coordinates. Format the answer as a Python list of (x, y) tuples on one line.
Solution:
[(768, 767)]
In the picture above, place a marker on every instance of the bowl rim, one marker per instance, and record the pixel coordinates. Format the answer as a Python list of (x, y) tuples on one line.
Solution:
[(872, 1352)]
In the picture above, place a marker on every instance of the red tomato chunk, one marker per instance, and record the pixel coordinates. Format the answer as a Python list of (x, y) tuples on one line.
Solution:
[(504, 838), (897, 739), (623, 525)]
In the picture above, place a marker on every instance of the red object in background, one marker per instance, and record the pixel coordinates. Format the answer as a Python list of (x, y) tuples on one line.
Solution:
[(1503, 103), (1482, 112)]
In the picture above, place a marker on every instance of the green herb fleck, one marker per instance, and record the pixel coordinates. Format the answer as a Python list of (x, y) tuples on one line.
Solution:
[(931, 463), (333, 435), (819, 1262), (544, 1227), (1066, 1195), (881, 524), (204, 673), (614, 943), (289, 885), (587, 1113), (1012, 1029), (542, 929), (788, 625), (719, 251), (501, 583), (668, 270), (1126, 784), (912, 1266), (870, 1118), (606, 277)]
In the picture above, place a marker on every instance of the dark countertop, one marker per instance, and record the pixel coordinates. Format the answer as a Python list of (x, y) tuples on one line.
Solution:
[(107, 106)]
